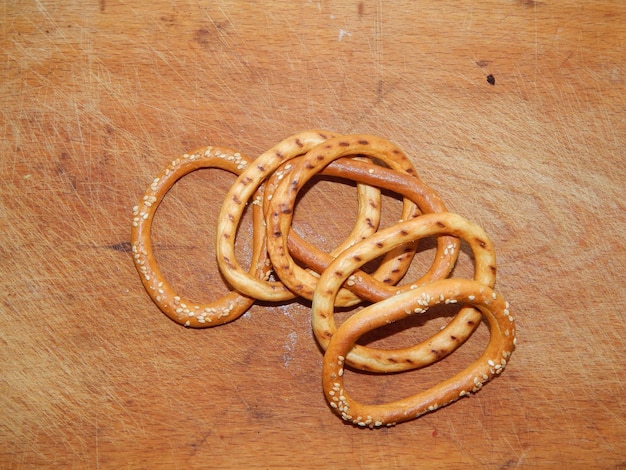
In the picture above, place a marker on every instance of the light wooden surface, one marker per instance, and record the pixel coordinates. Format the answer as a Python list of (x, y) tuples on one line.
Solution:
[(96, 98)]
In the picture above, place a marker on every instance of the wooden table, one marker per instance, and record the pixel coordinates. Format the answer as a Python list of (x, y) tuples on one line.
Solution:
[(98, 98)]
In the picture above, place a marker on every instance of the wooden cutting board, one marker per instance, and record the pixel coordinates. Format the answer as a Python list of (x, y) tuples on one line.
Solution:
[(98, 97)]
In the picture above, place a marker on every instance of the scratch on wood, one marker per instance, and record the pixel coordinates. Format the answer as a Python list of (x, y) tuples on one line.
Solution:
[(378, 41), (123, 247)]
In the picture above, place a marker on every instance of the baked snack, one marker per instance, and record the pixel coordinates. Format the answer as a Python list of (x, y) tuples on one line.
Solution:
[(285, 266), (185, 311), (279, 214), (470, 380), (441, 343), (241, 192), (274, 164), (382, 283)]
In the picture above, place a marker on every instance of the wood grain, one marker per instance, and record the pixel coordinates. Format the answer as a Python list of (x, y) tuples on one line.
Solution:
[(98, 97)]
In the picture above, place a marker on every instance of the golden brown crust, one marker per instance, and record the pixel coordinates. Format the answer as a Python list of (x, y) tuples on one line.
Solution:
[(271, 184), (470, 380), (370, 287), (279, 214), (234, 204), (440, 344), (185, 311)]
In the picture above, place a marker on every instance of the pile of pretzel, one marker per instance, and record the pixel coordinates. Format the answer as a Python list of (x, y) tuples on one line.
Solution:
[(285, 266)]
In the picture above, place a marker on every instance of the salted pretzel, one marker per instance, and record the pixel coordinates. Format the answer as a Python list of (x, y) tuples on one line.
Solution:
[(368, 212), (391, 269), (365, 286), (271, 184), (184, 311), (470, 380), (242, 191), (440, 344), (279, 214)]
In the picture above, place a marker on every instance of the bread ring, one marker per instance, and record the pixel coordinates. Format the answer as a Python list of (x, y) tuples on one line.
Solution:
[(395, 264), (368, 213), (470, 380), (234, 204), (280, 212), (232, 209), (184, 311), (365, 286), (443, 342)]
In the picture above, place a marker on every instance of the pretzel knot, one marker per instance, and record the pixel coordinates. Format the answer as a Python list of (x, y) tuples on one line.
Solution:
[(285, 266)]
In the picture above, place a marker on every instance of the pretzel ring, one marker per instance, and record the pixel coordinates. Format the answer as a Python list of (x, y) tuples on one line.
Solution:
[(395, 265), (241, 192), (366, 286), (470, 380), (232, 210), (280, 214), (443, 342), (184, 311), (368, 212)]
